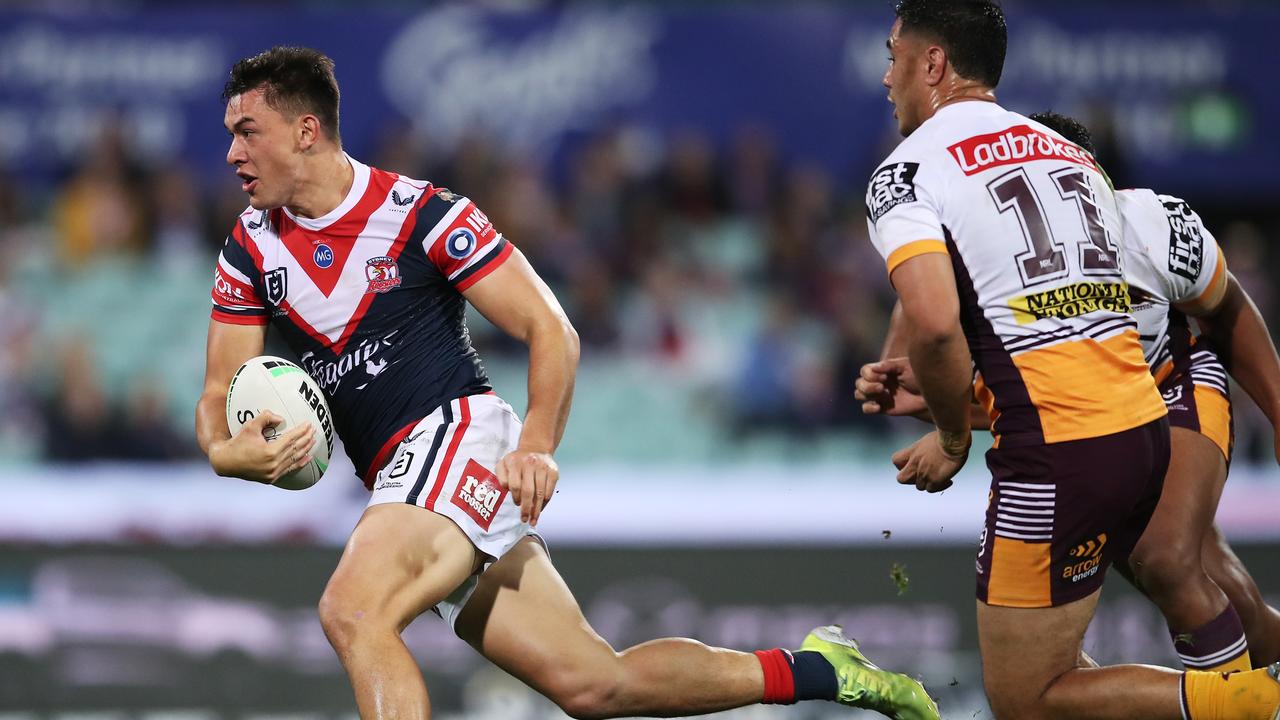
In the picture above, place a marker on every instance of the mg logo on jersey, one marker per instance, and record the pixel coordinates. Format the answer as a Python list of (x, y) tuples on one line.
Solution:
[(479, 494), (1016, 145), (383, 274), (323, 256)]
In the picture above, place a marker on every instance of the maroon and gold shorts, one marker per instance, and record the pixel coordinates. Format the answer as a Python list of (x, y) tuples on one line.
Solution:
[(1198, 400), (1058, 515)]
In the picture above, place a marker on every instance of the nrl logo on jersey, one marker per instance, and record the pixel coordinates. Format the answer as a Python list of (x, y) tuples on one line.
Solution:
[(276, 283), (383, 274), (891, 186)]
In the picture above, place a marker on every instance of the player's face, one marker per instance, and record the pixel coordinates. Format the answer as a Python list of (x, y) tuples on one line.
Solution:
[(905, 79), (263, 150)]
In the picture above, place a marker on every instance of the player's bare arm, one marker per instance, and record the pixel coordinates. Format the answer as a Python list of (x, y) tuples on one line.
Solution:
[(1244, 345), (248, 455), (516, 300), (940, 356)]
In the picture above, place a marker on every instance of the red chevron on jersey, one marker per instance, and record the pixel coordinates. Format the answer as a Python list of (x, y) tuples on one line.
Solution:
[(327, 302), (367, 297), (308, 245)]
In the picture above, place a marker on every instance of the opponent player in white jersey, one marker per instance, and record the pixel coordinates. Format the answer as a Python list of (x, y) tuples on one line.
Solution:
[(1003, 243), (365, 274), (1176, 269), (1217, 617)]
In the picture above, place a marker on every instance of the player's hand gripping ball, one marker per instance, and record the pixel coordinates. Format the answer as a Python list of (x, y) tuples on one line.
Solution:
[(267, 383)]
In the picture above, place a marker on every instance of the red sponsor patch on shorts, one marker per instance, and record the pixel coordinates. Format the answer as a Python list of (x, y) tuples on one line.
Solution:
[(479, 494)]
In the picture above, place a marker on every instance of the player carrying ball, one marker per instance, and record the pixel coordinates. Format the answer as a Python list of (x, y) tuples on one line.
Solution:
[(365, 273)]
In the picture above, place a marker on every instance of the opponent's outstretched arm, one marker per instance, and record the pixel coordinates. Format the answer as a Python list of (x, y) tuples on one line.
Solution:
[(516, 300), (1243, 343), (247, 455), (889, 387)]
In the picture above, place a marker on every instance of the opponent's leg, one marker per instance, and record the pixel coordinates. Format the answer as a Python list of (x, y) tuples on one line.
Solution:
[(401, 560), (1261, 621), (1034, 669), (1166, 562), (524, 619)]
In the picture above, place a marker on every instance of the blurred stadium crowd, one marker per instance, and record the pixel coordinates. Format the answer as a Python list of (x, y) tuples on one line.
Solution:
[(726, 283)]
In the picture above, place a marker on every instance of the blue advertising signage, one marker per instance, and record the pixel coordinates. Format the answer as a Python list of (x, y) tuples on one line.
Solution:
[(1177, 84)]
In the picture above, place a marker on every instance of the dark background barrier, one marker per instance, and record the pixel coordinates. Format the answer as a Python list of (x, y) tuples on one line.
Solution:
[(230, 632)]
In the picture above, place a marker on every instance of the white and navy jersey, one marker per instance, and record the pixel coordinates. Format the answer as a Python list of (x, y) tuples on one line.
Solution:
[(1034, 238), (370, 298), (1174, 262)]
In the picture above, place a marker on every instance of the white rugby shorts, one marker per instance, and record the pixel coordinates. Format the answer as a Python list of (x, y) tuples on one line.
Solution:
[(446, 464)]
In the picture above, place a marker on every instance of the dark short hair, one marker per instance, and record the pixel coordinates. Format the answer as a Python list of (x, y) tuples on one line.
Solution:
[(973, 33), (295, 80), (1068, 127)]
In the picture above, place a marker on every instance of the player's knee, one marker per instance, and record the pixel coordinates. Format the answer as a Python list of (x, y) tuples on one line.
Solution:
[(1166, 566), (336, 620), (343, 621), (589, 695)]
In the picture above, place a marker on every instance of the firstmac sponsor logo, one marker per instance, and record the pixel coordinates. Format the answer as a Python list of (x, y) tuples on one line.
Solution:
[(891, 186), (1016, 145)]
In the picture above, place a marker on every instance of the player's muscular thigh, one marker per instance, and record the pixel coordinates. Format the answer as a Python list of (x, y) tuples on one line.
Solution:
[(400, 561)]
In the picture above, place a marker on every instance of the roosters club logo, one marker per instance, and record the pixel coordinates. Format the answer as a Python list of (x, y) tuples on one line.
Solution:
[(383, 274)]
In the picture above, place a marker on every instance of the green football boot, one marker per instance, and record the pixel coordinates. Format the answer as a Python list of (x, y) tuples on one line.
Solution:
[(863, 685)]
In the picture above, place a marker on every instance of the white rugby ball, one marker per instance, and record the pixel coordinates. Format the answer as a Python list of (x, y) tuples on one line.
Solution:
[(275, 384)]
